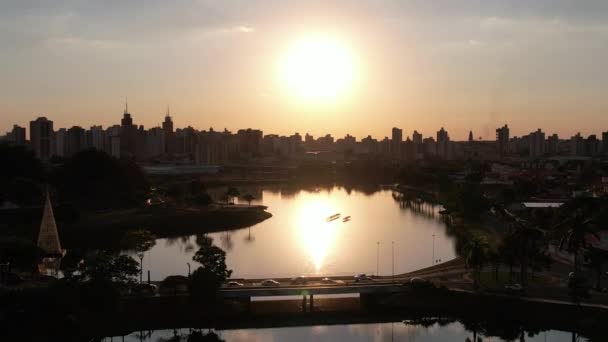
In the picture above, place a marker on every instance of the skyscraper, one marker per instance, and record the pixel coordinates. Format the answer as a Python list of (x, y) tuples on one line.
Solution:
[(41, 137), (128, 135), (502, 139), (169, 141), (396, 139), (443, 144), (75, 140), (536, 142)]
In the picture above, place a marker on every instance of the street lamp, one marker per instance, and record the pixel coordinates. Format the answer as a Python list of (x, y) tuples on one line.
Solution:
[(393, 258), (378, 258), (188, 269), (141, 266), (433, 249)]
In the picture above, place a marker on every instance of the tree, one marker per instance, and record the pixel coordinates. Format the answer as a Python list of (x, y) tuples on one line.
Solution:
[(139, 241), (20, 253), (94, 179), (476, 251), (213, 271), (232, 193), (249, 197)]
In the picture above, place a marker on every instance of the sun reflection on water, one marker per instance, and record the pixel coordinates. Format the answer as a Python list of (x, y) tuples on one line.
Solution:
[(317, 236)]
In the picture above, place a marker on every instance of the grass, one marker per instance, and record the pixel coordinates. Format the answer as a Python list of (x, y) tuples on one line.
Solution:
[(535, 280)]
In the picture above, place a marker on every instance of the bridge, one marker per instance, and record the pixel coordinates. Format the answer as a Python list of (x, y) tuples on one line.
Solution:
[(312, 287)]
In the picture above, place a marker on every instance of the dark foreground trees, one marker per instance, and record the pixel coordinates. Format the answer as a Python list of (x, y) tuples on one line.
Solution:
[(212, 273)]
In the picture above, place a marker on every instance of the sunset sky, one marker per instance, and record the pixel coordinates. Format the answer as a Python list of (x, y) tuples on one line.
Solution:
[(461, 64)]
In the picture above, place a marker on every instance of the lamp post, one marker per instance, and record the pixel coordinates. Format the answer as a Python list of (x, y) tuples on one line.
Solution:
[(433, 249), (188, 264), (393, 259), (141, 266), (378, 258)]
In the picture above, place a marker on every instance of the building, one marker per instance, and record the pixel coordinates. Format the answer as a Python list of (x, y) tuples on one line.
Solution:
[(41, 137), (443, 144), (396, 140), (75, 141), (169, 148), (155, 143), (536, 141), (502, 139), (113, 141), (16, 136), (577, 145), (96, 138), (552, 147), (128, 136)]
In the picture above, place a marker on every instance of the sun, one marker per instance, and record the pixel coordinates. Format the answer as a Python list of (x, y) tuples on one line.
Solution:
[(318, 68)]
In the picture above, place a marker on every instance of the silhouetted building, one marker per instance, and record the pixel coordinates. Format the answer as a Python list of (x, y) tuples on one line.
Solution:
[(443, 144), (41, 137), (155, 143), (552, 146), (592, 146), (16, 136), (577, 145), (128, 136), (502, 139), (536, 142), (169, 148), (61, 136), (605, 143), (471, 136), (96, 138), (113, 145), (75, 141), (396, 139)]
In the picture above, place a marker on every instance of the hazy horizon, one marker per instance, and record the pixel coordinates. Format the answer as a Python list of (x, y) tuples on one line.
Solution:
[(463, 65)]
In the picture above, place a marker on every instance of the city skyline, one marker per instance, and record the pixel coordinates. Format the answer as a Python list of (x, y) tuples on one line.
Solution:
[(489, 133), (464, 65)]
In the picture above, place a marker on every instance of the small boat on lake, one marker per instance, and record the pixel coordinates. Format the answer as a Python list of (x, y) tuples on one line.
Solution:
[(333, 217), (346, 219)]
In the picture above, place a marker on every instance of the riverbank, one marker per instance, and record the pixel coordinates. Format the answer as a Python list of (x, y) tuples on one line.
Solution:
[(104, 229)]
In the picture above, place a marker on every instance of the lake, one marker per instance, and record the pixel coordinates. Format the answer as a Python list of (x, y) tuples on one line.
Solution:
[(377, 332), (382, 234)]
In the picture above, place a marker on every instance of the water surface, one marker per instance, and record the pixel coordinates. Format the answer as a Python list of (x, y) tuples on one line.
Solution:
[(298, 240)]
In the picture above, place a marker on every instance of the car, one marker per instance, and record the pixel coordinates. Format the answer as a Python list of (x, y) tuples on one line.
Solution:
[(362, 277), (270, 282), (328, 281), (301, 280), (514, 288), (417, 283), (233, 283)]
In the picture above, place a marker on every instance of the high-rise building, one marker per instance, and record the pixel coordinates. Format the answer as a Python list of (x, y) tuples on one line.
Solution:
[(16, 136), (169, 148), (128, 136), (577, 145), (250, 142), (113, 141), (396, 140), (592, 146), (417, 138), (75, 140), (552, 147), (61, 142), (41, 137), (443, 144), (471, 136), (605, 143), (155, 143), (97, 138), (536, 141), (502, 139)]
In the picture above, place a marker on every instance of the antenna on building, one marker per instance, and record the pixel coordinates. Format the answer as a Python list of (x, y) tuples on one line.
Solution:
[(168, 111), (126, 105)]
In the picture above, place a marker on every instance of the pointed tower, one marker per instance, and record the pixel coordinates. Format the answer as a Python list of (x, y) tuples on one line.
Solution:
[(48, 238)]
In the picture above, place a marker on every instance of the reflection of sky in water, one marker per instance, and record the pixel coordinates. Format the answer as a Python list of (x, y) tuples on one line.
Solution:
[(298, 240), (358, 332)]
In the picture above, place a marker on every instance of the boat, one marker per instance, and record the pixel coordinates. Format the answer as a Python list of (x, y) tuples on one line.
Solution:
[(333, 217), (346, 219)]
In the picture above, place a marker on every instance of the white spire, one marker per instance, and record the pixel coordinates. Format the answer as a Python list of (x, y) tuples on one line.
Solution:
[(48, 238)]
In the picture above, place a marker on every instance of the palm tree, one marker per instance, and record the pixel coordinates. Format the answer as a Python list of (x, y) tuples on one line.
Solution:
[(574, 236), (476, 251)]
